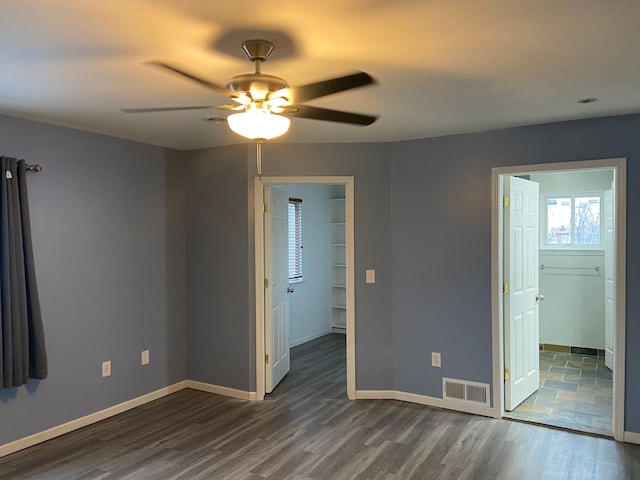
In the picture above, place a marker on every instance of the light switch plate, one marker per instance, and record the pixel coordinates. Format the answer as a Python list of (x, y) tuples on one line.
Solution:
[(371, 276), (106, 368), (436, 360)]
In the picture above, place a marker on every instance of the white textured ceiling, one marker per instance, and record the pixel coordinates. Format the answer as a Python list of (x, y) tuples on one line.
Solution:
[(443, 66)]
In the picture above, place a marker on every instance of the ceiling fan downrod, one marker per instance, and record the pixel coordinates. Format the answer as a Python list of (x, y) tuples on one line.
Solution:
[(258, 51)]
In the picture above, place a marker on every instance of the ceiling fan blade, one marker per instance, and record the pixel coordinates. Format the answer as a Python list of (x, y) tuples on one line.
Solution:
[(310, 91), (205, 83), (165, 109), (237, 108), (315, 113)]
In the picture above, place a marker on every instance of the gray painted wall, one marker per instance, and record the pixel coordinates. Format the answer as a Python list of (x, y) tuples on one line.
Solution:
[(220, 259), (441, 244), (110, 233), (423, 215), (176, 251), (100, 231), (441, 261), (218, 285)]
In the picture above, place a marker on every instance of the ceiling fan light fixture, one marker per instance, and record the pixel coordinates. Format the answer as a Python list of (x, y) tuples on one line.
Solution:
[(258, 124)]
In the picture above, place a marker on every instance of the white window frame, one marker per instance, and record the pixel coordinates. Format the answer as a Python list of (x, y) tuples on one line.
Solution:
[(544, 227)]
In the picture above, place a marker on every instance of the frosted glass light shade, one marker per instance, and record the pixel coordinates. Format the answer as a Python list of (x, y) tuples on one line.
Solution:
[(258, 124)]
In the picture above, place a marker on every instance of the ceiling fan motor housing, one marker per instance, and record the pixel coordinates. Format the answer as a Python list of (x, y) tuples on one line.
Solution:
[(248, 82), (257, 50)]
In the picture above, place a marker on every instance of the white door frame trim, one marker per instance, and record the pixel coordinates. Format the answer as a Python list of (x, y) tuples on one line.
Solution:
[(619, 166), (348, 182)]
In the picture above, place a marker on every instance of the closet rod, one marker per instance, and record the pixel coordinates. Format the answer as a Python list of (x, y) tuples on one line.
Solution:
[(596, 268)]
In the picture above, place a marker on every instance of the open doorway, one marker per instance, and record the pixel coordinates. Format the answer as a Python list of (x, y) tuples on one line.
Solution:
[(546, 355), (338, 292)]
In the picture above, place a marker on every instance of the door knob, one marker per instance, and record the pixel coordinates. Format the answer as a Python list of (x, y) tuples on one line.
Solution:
[(539, 298), (289, 290)]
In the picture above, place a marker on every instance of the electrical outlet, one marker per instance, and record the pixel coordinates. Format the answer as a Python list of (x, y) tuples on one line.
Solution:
[(144, 357), (106, 368), (436, 359)]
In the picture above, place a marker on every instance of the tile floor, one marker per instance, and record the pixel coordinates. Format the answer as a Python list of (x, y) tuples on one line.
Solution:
[(576, 392)]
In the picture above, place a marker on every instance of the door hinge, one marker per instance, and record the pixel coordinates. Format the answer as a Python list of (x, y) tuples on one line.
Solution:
[(505, 288), (266, 208), (506, 374), (266, 283), (505, 202), (266, 358)]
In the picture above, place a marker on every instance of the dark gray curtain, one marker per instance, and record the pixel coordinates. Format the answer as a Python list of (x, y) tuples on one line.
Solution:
[(22, 350)]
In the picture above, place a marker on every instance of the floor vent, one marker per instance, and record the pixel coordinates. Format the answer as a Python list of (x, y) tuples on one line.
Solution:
[(465, 391)]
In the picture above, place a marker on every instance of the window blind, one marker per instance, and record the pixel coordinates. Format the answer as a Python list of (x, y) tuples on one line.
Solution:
[(295, 238)]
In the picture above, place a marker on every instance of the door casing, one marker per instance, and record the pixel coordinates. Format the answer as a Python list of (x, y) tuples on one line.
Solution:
[(259, 184), (618, 165)]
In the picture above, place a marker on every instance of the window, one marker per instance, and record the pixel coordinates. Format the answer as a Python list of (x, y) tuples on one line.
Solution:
[(295, 239), (573, 220)]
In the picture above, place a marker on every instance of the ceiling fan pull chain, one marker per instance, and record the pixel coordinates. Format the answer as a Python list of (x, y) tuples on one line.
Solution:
[(259, 158)]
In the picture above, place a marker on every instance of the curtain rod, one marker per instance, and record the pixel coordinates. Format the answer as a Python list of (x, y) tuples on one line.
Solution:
[(33, 168)]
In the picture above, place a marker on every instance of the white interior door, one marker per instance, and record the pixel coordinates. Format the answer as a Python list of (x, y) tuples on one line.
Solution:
[(521, 312), (276, 228), (609, 276)]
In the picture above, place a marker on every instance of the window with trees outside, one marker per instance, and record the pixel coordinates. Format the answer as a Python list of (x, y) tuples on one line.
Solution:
[(573, 220), (295, 239)]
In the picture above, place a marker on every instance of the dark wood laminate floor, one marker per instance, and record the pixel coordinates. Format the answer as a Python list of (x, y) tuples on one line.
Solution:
[(308, 430)]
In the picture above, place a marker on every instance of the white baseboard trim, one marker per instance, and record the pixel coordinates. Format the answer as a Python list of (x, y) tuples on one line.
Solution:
[(424, 400), (375, 395), (95, 417), (226, 391), (308, 338), (31, 440), (631, 437)]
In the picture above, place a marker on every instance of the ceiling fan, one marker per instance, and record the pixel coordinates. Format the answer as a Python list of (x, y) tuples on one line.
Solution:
[(263, 103)]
